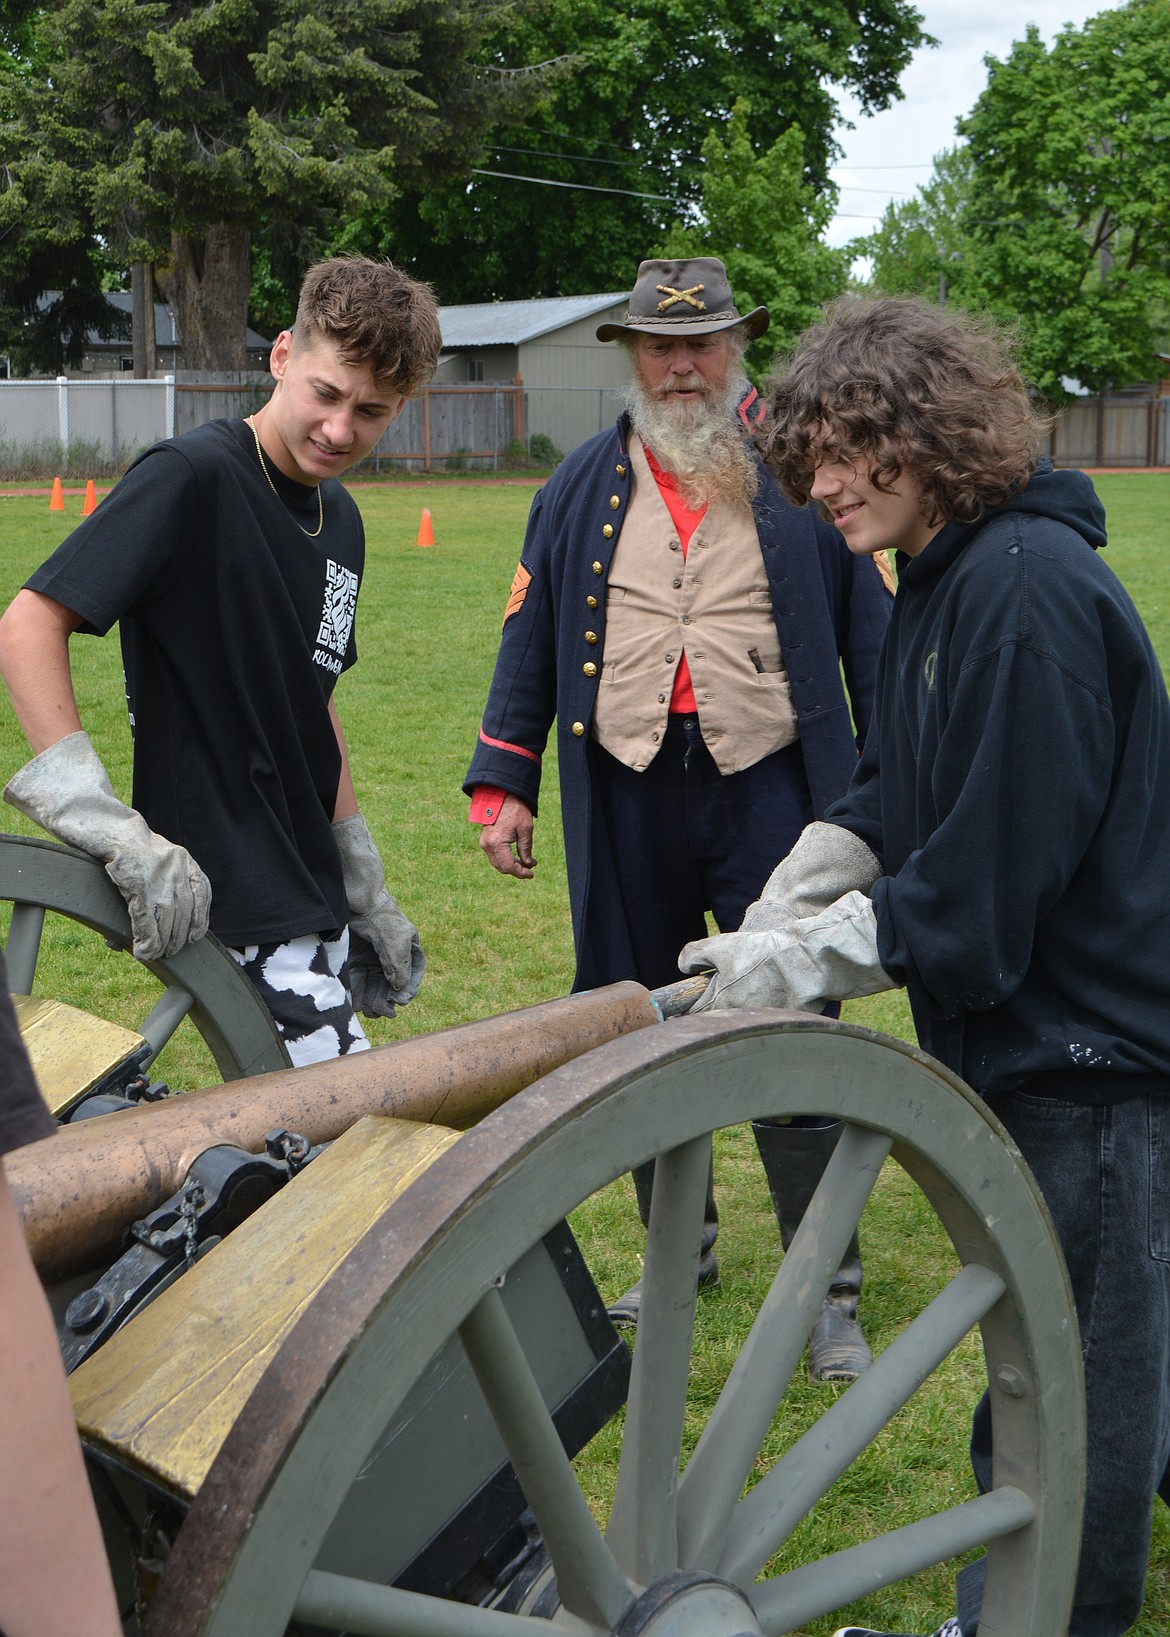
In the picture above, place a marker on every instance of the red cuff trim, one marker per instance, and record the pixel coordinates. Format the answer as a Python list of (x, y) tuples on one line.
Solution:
[(486, 802), (502, 744)]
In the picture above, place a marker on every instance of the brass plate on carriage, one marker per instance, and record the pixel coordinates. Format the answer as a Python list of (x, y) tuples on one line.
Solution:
[(70, 1050), (162, 1394)]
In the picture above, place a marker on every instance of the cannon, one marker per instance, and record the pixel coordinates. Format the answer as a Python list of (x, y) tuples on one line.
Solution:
[(357, 1409)]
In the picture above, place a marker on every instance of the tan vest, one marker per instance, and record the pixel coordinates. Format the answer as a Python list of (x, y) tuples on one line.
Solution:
[(715, 604)]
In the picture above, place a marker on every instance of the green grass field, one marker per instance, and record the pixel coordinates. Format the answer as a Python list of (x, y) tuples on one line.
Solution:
[(428, 628)]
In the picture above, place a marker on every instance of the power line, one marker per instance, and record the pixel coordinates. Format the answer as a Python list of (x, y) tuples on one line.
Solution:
[(923, 165), (618, 147), (548, 153), (577, 187)]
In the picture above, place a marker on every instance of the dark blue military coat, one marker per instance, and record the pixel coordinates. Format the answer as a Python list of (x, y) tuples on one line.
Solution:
[(831, 611)]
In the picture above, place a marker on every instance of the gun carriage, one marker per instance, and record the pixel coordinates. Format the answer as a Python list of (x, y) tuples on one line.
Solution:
[(333, 1346)]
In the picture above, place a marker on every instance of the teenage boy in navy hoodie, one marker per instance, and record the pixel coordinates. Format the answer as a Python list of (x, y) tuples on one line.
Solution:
[(1003, 849)]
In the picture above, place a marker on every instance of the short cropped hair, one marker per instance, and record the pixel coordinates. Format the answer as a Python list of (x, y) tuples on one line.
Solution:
[(894, 385), (376, 315)]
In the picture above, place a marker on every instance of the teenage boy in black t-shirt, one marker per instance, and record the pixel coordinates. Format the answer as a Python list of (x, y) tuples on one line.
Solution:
[(231, 558)]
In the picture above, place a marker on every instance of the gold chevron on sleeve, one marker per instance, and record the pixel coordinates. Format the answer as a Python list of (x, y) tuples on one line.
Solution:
[(520, 584)]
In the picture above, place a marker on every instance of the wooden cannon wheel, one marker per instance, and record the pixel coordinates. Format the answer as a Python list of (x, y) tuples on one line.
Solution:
[(202, 981), (682, 1555)]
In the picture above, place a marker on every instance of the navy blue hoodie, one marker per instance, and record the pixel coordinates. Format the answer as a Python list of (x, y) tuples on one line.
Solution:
[(1016, 786)]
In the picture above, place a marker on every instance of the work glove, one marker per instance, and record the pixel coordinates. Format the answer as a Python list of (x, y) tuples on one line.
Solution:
[(830, 956), (825, 863), (386, 962), (67, 791)]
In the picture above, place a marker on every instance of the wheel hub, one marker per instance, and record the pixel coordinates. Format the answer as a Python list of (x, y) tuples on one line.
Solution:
[(689, 1604)]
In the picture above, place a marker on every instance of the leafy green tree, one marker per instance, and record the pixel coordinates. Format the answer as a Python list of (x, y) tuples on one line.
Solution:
[(765, 221), (52, 280), (1055, 215), (166, 129), (1070, 197), (618, 141), (920, 246)]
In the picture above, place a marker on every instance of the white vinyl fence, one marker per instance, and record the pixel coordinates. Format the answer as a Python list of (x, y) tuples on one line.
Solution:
[(102, 422)]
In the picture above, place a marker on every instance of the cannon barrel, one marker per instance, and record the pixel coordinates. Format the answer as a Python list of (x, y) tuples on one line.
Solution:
[(78, 1190)]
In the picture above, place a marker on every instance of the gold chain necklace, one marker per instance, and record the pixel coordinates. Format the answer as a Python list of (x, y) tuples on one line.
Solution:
[(312, 533)]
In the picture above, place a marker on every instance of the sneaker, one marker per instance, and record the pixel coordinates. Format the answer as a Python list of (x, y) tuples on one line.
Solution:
[(626, 1309), (949, 1628)]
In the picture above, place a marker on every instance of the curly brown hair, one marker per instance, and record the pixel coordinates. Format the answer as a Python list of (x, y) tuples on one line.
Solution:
[(893, 385), (376, 315)]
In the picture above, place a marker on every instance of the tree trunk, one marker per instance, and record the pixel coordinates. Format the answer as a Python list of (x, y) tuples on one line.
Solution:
[(207, 283), (142, 311)]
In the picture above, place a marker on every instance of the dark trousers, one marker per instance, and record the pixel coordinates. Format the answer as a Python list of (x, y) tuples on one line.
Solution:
[(687, 839), (1105, 1175)]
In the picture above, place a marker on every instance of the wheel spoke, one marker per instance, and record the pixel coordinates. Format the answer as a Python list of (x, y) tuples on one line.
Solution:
[(828, 1584), (165, 1017), (642, 1531), (23, 946), (589, 1581), (718, 1469), (340, 1603), (764, 1519)]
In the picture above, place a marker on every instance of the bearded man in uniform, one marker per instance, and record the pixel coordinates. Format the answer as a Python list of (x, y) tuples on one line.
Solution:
[(687, 628)]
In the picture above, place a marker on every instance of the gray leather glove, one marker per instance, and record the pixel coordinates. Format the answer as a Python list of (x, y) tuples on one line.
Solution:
[(825, 863), (67, 791), (830, 956), (386, 962)]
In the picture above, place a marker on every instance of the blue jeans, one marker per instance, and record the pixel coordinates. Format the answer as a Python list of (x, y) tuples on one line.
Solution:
[(1104, 1172)]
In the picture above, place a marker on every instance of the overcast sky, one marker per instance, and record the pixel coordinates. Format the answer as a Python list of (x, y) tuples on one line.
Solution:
[(891, 155)]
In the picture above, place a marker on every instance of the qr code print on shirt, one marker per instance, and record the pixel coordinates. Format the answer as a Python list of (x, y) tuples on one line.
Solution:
[(341, 588)]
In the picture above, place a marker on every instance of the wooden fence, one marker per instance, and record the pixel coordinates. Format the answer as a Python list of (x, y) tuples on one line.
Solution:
[(444, 426), (1126, 431)]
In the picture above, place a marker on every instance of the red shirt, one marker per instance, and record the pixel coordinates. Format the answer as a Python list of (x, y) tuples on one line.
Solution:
[(686, 521), (486, 799)]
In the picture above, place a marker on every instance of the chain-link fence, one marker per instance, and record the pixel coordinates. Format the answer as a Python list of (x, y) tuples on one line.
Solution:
[(80, 428)]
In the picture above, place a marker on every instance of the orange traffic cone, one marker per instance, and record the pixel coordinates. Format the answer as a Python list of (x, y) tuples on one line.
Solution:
[(90, 499), (57, 499), (426, 532)]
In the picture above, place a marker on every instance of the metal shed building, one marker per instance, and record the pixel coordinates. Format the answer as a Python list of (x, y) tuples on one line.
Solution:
[(573, 383)]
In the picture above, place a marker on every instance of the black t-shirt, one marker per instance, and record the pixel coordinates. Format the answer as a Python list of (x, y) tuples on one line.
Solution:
[(24, 1116), (235, 624)]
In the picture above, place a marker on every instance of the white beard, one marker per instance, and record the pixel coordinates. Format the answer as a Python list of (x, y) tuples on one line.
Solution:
[(699, 442)]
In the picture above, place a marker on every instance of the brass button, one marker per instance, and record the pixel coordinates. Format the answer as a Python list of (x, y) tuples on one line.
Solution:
[(614, 502), (662, 699), (578, 730), (591, 602), (608, 531), (674, 546), (670, 659), (676, 582), (597, 568), (591, 637), (686, 619), (589, 668), (621, 471), (655, 737)]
